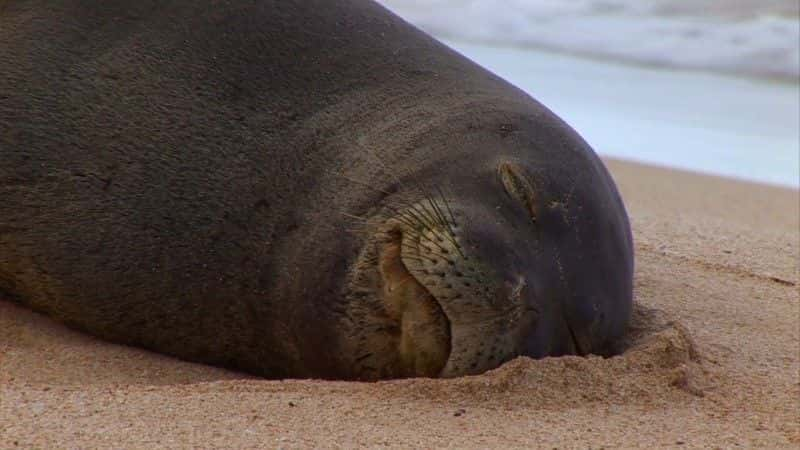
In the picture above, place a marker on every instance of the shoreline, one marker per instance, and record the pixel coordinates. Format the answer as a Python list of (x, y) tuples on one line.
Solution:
[(601, 58)]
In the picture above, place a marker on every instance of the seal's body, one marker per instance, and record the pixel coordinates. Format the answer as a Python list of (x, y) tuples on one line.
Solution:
[(295, 188)]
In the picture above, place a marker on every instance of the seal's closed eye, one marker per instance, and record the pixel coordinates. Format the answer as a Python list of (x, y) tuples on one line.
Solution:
[(518, 186)]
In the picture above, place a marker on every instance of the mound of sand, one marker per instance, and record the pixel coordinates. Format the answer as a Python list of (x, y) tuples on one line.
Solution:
[(712, 359)]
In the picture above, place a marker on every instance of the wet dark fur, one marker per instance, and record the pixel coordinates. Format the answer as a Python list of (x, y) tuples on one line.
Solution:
[(167, 168)]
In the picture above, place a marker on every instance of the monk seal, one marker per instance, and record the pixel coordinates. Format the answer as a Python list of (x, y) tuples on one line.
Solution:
[(296, 189)]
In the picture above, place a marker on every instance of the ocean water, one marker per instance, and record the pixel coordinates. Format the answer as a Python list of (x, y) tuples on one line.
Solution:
[(750, 37), (737, 127), (704, 85)]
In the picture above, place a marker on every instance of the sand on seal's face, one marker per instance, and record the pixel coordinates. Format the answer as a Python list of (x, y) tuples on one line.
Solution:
[(712, 359)]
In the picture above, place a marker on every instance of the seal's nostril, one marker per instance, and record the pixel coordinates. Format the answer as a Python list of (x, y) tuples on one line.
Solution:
[(581, 344)]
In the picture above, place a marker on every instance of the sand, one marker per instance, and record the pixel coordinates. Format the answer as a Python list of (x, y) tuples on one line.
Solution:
[(713, 360)]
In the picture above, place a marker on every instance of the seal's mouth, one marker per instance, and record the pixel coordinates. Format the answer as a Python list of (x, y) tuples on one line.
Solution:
[(425, 339)]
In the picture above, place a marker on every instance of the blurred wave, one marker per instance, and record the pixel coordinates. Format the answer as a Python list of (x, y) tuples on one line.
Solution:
[(744, 37)]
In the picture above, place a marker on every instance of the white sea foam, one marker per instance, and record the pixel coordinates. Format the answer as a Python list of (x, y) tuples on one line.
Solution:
[(745, 37)]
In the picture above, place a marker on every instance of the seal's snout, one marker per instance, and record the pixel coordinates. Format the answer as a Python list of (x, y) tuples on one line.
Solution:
[(472, 282), (580, 263), (445, 280)]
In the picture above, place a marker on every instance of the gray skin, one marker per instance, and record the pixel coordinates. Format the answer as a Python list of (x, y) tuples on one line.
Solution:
[(296, 189)]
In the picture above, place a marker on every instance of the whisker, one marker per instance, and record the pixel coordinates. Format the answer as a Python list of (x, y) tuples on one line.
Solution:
[(448, 231), (416, 215), (436, 212), (433, 241), (386, 170), (452, 233), (446, 205), (427, 250), (412, 222), (353, 216), (425, 196), (414, 258)]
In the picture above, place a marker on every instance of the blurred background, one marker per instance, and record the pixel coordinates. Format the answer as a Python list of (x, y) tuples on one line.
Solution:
[(706, 85)]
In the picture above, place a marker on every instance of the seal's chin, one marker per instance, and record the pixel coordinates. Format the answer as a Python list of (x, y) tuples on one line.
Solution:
[(424, 344)]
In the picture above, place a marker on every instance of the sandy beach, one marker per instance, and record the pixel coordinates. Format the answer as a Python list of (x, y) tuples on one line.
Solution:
[(713, 360)]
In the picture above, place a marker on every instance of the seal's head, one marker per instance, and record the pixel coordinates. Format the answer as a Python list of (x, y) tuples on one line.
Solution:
[(508, 264)]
